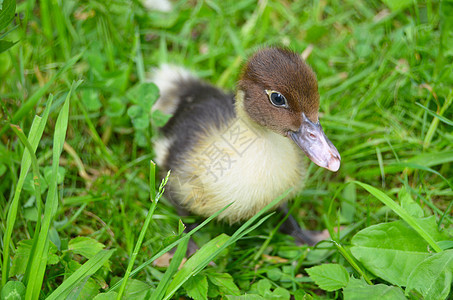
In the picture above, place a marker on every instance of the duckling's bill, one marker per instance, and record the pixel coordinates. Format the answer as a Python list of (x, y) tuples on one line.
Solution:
[(313, 141)]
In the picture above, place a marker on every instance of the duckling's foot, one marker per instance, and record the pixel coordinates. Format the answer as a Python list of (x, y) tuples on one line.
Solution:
[(164, 260), (302, 236)]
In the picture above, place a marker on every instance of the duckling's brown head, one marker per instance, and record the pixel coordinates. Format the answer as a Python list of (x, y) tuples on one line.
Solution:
[(280, 92)]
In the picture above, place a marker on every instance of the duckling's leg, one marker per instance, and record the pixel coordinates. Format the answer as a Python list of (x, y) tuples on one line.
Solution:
[(302, 236)]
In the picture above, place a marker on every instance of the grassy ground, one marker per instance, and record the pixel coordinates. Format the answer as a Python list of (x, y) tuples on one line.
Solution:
[(385, 79)]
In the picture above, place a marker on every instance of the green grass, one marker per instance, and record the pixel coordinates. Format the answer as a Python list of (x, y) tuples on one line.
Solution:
[(76, 217)]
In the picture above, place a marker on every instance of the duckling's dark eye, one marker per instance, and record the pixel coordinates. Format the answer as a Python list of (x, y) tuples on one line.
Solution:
[(277, 99)]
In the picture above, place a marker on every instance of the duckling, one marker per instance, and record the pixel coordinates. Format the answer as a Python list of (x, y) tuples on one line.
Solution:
[(246, 148)]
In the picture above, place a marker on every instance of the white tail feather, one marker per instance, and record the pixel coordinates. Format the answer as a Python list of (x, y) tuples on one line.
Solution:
[(167, 78)]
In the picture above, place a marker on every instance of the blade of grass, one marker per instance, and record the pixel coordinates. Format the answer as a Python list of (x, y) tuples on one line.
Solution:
[(131, 164), (327, 216), (106, 36), (171, 246), (424, 159), (271, 235), (31, 102), (37, 186), (45, 18), (241, 232), (336, 236), (39, 255), (97, 139), (86, 270), (231, 69), (431, 205), (381, 165), (251, 22), (63, 41), (7, 13), (171, 270), (400, 212), (139, 57), (437, 117), (191, 264), (450, 184), (154, 200), (441, 118), (352, 80), (73, 217), (351, 261), (36, 131), (424, 168)]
